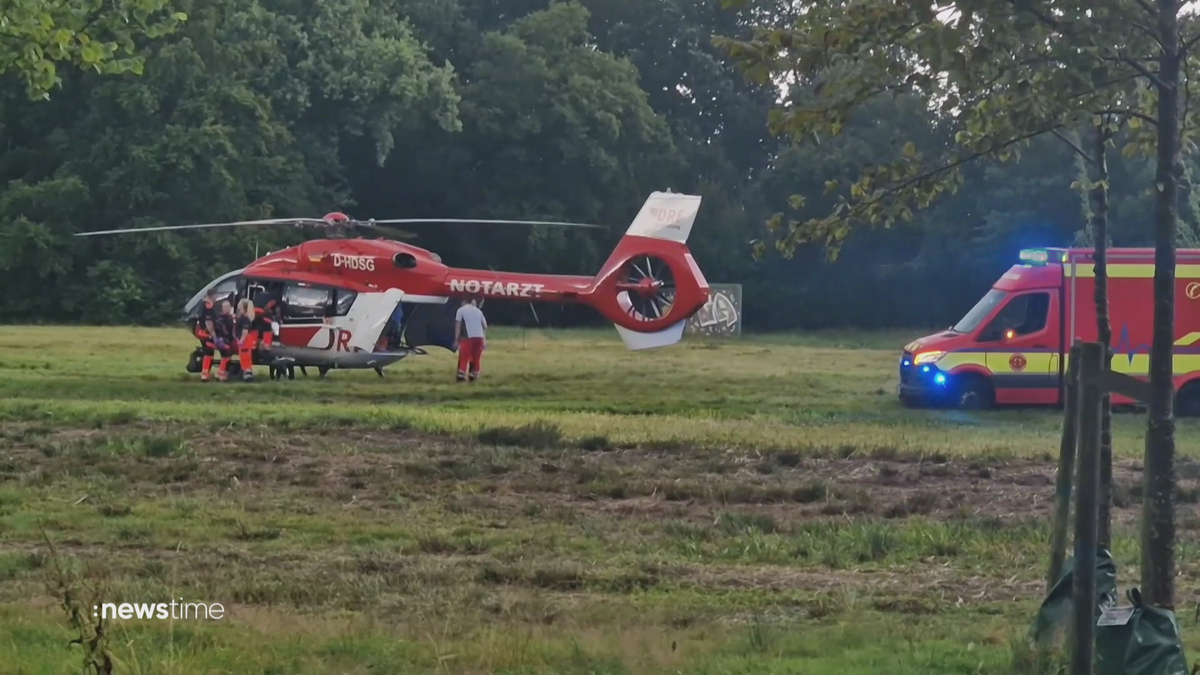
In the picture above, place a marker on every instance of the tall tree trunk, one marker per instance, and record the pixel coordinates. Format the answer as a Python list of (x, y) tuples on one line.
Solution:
[(1158, 512), (1100, 139)]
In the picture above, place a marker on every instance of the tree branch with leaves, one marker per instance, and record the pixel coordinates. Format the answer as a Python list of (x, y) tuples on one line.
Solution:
[(38, 36)]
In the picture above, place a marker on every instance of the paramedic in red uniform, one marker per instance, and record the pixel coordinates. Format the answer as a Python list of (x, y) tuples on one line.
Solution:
[(470, 333), (266, 316), (245, 337)]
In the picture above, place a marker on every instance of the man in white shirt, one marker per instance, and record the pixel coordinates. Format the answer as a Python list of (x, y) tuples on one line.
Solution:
[(470, 334)]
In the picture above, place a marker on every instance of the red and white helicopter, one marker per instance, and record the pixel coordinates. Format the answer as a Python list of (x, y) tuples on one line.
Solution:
[(339, 296)]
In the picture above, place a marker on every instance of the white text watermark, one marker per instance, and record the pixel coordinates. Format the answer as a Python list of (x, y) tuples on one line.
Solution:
[(159, 610)]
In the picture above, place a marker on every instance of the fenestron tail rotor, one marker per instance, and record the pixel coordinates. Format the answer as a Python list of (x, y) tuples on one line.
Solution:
[(646, 288)]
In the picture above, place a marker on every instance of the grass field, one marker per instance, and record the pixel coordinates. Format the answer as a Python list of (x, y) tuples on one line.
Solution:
[(759, 506)]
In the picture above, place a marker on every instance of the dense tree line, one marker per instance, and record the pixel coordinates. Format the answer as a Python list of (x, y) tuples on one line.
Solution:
[(500, 109)]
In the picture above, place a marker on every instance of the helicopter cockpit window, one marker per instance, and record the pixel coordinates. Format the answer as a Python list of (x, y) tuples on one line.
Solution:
[(306, 302), (345, 299), (227, 290)]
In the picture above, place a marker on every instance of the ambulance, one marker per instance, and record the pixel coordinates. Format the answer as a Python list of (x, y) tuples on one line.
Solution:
[(1012, 347)]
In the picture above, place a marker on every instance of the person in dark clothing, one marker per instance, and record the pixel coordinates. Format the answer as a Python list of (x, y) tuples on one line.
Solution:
[(205, 331), (245, 338), (225, 340), (266, 315), (395, 328)]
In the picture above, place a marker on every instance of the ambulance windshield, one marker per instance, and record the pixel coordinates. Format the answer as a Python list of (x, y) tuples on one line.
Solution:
[(981, 310)]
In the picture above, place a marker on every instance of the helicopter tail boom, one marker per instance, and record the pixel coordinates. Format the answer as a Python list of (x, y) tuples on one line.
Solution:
[(649, 286)]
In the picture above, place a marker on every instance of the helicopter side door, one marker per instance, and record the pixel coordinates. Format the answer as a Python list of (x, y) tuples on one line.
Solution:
[(426, 325), (306, 310)]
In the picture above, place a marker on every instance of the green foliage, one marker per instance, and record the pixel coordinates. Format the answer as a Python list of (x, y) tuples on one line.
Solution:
[(551, 128), (99, 36), (998, 74), (243, 113)]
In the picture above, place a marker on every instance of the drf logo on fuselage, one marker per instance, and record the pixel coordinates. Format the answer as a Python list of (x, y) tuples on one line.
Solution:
[(669, 216), (339, 337), (510, 288), (354, 262)]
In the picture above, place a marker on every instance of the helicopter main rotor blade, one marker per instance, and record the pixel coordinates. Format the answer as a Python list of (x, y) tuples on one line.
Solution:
[(484, 222), (400, 234), (391, 231), (326, 223), (238, 223)]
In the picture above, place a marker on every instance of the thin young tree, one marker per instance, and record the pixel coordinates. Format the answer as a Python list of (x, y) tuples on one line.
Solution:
[(1094, 183)]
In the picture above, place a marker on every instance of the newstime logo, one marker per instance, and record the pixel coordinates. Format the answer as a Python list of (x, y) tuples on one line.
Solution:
[(160, 610)]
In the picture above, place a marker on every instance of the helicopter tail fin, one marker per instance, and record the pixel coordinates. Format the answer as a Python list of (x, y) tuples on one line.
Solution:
[(667, 216), (650, 285)]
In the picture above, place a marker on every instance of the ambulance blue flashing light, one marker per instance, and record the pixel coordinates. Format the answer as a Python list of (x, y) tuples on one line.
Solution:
[(1039, 256), (1035, 256), (940, 378)]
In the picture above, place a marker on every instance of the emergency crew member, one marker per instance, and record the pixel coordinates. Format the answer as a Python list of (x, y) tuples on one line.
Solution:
[(266, 315), (470, 335), (267, 320), (246, 337), (205, 331), (225, 340)]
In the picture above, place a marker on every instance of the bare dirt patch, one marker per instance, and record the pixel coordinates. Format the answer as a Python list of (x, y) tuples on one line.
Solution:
[(936, 584), (373, 467)]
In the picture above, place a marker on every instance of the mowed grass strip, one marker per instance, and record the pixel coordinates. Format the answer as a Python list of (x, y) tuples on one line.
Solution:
[(767, 392)]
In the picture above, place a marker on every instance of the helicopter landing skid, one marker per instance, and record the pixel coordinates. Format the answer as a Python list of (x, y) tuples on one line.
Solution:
[(282, 359)]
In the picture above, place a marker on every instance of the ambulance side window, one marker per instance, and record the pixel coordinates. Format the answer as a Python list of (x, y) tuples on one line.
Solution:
[(1023, 315)]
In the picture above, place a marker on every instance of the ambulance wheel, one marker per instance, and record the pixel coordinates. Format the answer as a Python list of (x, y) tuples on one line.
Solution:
[(973, 392), (1187, 401)]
